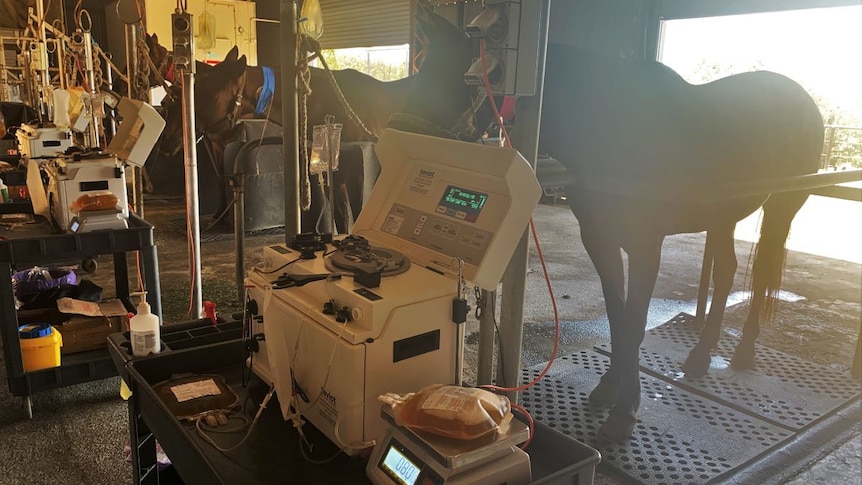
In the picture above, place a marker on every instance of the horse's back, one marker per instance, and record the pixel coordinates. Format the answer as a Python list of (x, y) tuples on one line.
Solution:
[(773, 126), (616, 116)]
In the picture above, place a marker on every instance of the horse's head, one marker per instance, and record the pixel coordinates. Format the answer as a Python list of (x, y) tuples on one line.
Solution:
[(439, 96), (161, 57), (217, 92)]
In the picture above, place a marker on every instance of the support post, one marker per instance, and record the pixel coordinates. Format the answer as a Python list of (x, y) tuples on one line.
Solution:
[(290, 118), (526, 141), (190, 161)]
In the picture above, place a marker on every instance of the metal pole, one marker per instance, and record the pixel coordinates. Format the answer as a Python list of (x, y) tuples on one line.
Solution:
[(238, 182), (45, 87), (290, 118), (132, 32), (91, 83), (512, 304), (131, 58), (487, 337), (192, 209)]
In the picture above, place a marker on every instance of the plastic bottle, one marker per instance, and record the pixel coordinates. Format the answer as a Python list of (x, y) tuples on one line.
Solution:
[(145, 330)]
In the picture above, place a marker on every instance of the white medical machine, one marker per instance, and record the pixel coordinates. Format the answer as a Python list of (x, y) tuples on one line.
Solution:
[(83, 173), (42, 141), (342, 324)]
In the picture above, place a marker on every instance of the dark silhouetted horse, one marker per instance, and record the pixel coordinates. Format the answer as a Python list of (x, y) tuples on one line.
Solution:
[(635, 136)]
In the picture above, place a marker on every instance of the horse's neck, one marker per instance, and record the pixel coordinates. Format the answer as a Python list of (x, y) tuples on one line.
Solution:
[(375, 101)]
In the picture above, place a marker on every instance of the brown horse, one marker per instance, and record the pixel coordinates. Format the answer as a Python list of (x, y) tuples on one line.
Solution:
[(635, 134), (231, 90)]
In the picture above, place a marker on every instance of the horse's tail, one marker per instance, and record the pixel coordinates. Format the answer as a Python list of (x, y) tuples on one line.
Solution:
[(800, 154), (770, 255)]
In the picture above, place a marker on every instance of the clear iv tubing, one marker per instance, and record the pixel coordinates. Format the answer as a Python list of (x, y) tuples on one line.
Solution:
[(209, 440)]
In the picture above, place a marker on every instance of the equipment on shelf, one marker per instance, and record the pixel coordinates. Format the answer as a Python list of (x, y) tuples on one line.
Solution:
[(42, 141), (342, 326), (94, 181)]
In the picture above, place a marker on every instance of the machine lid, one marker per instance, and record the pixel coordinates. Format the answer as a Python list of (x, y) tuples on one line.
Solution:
[(137, 133), (441, 201)]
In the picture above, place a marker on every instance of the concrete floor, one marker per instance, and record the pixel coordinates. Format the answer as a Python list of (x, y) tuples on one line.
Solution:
[(77, 433)]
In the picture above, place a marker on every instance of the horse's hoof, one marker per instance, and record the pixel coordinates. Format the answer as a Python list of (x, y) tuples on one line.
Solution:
[(604, 394), (743, 360), (618, 427), (697, 363)]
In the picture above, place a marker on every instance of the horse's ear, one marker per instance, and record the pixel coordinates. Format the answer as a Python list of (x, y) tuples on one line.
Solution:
[(232, 54), (424, 18), (202, 68), (235, 69)]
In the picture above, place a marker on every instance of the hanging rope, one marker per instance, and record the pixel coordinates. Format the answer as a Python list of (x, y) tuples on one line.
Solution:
[(304, 73)]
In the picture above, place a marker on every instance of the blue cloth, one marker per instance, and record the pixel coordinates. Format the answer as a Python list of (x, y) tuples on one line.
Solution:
[(266, 91)]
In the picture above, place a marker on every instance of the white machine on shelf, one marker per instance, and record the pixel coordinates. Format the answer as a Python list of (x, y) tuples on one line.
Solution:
[(42, 141), (72, 177), (336, 341), (87, 173)]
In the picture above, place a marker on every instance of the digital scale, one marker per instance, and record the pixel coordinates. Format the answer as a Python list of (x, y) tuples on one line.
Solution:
[(341, 324), (87, 221), (408, 457)]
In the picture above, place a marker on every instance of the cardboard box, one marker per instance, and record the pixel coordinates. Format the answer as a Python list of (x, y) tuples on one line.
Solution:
[(90, 323), (84, 325)]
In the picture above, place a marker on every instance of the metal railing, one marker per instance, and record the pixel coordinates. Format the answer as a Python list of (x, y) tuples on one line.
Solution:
[(842, 147)]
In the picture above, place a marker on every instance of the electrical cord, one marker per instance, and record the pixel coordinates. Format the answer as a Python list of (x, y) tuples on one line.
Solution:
[(508, 143), (276, 270)]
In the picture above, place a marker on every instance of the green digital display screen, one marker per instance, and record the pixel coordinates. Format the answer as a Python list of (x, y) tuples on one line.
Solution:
[(462, 203)]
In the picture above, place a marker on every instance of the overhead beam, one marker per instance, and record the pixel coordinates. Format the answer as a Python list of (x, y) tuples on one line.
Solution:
[(683, 9)]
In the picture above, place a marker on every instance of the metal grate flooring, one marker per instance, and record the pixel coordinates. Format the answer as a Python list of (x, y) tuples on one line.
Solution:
[(783, 390), (690, 430)]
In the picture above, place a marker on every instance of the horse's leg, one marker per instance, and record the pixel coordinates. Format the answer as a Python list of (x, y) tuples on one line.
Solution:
[(148, 184), (778, 213), (608, 261), (719, 242), (644, 260)]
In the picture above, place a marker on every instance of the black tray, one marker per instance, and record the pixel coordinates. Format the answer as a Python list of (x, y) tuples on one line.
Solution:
[(35, 244), (271, 454)]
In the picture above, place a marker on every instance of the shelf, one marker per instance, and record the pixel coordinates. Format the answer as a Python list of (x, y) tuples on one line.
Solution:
[(271, 453), (74, 369), (32, 245)]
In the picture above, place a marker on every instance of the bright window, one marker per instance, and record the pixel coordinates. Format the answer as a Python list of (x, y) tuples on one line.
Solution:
[(385, 63)]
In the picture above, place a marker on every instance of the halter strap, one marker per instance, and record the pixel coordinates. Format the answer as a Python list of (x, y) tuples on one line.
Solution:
[(230, 116)]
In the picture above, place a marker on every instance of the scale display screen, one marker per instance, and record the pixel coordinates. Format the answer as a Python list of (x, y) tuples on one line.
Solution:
[(462, 203), (398, 466)]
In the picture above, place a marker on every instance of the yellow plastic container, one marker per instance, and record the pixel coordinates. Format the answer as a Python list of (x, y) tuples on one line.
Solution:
[(40, 346)]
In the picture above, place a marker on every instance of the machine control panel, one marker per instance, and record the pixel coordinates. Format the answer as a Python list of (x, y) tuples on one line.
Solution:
[(447, 201)]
